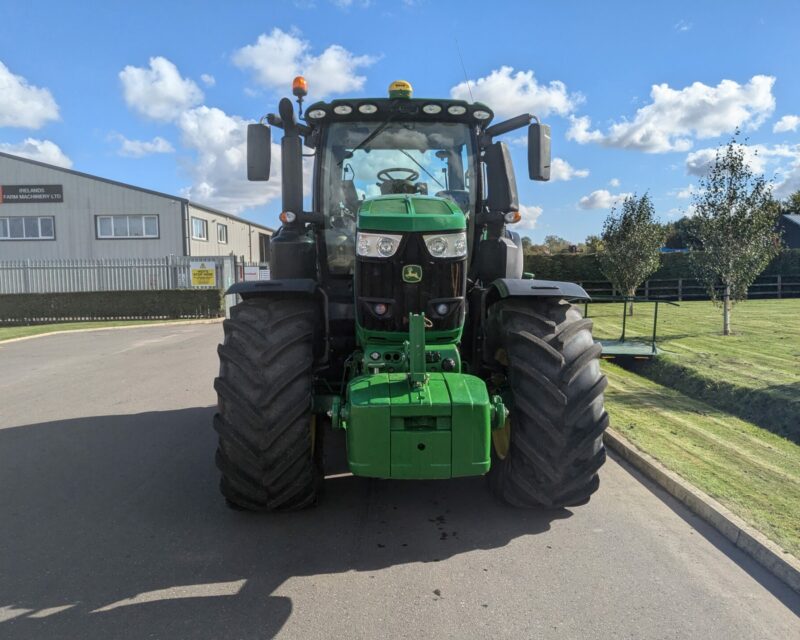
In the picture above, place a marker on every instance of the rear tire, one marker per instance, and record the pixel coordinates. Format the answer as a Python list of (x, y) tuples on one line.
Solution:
[(544, 349), (264, 392)]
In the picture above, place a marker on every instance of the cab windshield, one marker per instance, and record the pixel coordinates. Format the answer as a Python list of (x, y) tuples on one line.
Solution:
[(367, 159)]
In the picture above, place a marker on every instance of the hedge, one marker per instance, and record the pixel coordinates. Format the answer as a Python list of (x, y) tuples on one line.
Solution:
[(583, 267), (28, 308)]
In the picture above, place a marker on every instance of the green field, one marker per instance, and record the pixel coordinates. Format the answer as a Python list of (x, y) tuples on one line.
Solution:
[(754, 374), (7, 333), (707, 406), (753, 472)]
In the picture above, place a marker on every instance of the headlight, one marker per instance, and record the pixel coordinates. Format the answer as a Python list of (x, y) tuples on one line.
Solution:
[(377, 245), (448, 245)]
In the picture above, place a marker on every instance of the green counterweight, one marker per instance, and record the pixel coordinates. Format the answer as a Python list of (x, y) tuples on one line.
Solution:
[(419, 424)]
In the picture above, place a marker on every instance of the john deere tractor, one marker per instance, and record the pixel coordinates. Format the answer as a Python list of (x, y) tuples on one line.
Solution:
[(398, 312)]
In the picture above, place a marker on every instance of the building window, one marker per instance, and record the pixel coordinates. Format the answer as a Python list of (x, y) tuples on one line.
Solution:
[(116, 227), (222, 233), (199, 229), (28, 228)]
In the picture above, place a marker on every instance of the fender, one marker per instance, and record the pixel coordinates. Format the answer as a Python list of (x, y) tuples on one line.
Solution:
[(518, 287), (252, 288), (301, 286)]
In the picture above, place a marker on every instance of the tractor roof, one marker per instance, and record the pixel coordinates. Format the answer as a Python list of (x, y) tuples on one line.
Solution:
[(379, 109)]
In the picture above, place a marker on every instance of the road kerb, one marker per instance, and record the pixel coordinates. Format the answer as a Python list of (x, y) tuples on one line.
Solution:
[(781, 564), (143, 325)]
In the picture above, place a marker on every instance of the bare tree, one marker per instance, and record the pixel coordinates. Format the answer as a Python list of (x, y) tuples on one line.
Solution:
[(735, 226), (631, 241)]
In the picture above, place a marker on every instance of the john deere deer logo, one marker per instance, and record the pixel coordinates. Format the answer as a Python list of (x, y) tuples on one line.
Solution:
[(412, 273)]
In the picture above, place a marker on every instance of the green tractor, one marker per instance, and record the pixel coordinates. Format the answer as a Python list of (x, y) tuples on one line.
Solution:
[(398, 312)]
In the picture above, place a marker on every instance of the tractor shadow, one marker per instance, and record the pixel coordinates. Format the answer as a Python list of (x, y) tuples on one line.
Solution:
[(113, 527)]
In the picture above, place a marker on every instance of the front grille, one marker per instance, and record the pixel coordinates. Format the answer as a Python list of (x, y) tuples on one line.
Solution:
[(380, 280)]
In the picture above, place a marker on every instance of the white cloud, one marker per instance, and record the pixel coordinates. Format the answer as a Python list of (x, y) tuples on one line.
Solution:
[(277, 58), (510, 94), (41, 150), (683, 26), (562, 170), (140, 148), (789, 178), (579, 130), (530, 214), (22, 104), (675, 116), (677, 212), (687, 192), (159, 93), (761, 159), (219, 172), (601, 199), (614, 182), (786, 123), (208, 80)]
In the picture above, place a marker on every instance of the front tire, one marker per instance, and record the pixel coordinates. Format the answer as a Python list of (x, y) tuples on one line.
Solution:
[(543, 350), (265, 424)]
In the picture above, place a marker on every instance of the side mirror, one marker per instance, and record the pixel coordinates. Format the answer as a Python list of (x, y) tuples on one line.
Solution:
[(500, 179), (259, 151), (539, 151)]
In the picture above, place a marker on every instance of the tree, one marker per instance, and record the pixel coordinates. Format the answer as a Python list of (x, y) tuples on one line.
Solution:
[(556, 244), (681, 234), (527, 243), (593, 244), (631, 242), (734, 223), (792, 203)]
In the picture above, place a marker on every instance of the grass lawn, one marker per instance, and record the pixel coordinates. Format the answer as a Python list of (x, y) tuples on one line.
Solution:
[(754, 374), (6, 333), (755, 473)]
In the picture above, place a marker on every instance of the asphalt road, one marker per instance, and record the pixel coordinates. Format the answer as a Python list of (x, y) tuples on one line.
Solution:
[(111, 526)]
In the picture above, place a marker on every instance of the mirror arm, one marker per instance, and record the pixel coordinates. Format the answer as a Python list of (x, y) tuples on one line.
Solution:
[(505, 127)]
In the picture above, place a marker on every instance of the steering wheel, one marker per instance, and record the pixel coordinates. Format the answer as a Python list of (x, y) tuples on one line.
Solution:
[(384, 175)]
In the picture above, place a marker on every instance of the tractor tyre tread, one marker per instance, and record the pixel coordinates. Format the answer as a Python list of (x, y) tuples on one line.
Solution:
[(551, 363), (264, 392)]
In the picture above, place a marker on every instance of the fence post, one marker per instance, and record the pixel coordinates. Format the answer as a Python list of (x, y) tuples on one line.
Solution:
[(680, 289), (779, 286), (646, 288), (26, 277)]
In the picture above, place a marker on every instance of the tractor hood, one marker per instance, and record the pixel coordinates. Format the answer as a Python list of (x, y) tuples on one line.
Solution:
[(410, 213)]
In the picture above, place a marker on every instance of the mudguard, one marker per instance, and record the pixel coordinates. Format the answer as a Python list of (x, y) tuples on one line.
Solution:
[(267, 287), (517, 287)]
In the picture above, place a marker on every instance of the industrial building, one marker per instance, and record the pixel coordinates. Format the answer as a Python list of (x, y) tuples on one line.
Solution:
[(47, 212)]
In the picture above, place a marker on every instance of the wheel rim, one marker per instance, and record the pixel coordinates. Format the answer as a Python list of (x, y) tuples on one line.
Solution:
[(501, 439)]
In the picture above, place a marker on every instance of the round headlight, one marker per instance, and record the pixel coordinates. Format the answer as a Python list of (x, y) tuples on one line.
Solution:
[(442, 308), (316, 114), (460, 246), (456, 110), (380, 309), (342, 109), (437, 247), (386, 247), (480, 114), (432, 108), (363, 245), (367, 108)]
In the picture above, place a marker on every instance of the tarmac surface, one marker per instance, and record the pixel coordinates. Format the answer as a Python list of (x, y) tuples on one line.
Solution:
[(111, 526)]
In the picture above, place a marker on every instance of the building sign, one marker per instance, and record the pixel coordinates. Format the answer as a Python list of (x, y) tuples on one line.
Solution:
[(21, 193), (204, 274), (250, 273)]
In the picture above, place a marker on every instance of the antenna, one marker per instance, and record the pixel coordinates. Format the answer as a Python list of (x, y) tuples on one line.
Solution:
[(464, 69)]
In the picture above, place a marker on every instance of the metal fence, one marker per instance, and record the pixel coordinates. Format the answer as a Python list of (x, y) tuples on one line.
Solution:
[(771, 286), (114, 274)]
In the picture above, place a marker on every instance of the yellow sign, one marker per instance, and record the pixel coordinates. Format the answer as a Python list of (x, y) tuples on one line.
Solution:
[(204, 274)]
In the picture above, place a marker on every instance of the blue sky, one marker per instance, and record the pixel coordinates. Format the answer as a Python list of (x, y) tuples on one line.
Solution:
[(158, 94)]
